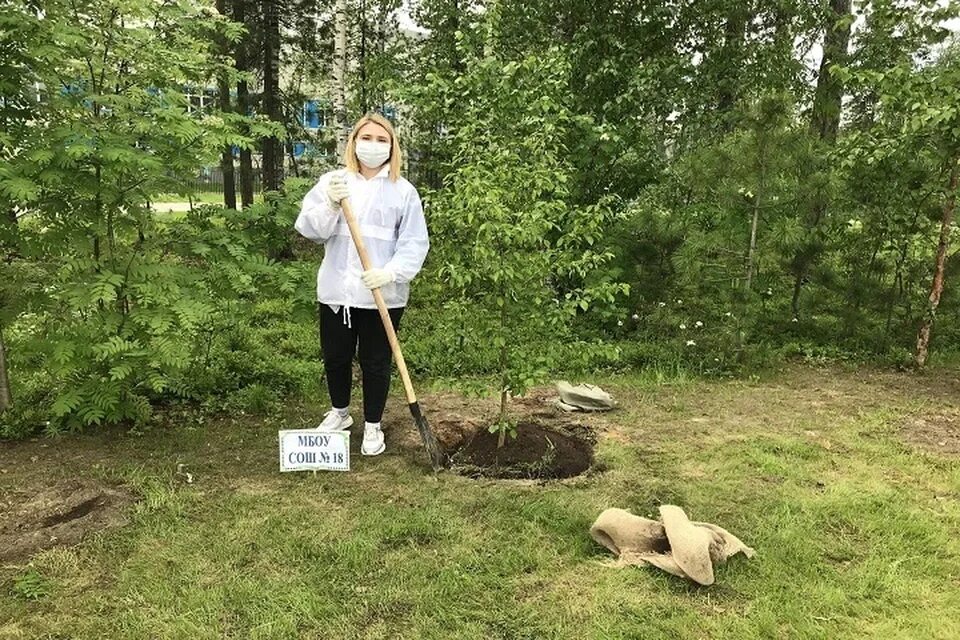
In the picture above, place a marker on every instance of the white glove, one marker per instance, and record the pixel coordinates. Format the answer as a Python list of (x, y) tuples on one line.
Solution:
[(337, 190), (376, 278)]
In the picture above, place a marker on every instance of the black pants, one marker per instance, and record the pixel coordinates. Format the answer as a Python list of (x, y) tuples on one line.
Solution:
[(366, 338)]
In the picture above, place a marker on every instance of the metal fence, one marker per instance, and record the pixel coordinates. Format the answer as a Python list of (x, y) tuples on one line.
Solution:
[(210, 180)]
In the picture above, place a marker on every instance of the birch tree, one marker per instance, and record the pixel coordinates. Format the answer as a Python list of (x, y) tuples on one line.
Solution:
[(339, 74)]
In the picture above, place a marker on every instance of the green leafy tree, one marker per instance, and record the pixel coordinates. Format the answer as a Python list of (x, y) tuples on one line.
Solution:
[(922, 120), (517, 256)]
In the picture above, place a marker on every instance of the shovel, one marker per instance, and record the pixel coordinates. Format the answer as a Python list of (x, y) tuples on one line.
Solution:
[(429, 440)]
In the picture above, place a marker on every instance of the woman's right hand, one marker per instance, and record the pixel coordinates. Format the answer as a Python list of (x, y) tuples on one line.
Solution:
[(337, 190)]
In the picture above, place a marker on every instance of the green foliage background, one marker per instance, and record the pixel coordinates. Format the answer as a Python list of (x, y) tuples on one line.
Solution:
[(593, 176)]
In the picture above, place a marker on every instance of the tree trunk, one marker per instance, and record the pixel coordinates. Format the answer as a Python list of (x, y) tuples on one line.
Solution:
[(862, 107), (272, 163), (728, 90), (226, 157), (502, 436), (6, 397), (504, 386), (751, 253), (824, 125), (896, 288), (9, 235), (364, 101), (923, 338), (293, 159), (761, 167), (340, 74), (825, 117), (243, 106)]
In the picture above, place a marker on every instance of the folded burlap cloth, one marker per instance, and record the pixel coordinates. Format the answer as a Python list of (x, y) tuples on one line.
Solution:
[(583, 397), (674, 544)]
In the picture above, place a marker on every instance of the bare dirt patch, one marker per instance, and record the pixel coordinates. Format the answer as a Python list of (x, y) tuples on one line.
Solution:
[(550, 443), (934, 432), (58, 515)]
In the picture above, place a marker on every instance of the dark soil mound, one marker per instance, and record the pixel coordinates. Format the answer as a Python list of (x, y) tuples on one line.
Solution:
[(536, 453)]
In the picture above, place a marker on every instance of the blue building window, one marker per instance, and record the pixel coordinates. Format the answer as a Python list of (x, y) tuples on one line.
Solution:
[(311, 114), (388, 112), (301, 148)]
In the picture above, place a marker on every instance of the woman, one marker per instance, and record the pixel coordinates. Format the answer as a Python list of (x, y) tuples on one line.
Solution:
[(390, 217)]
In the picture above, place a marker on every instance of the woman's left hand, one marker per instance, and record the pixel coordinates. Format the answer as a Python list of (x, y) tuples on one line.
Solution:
[(376, 278)]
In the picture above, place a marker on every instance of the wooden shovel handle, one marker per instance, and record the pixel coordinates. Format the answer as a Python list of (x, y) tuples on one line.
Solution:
[(378, 298)]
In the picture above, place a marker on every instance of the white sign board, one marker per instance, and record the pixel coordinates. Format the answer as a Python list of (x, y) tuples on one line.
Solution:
[(312, 450)]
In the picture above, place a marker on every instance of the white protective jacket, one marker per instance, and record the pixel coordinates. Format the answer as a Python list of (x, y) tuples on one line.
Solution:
[(390, 216)]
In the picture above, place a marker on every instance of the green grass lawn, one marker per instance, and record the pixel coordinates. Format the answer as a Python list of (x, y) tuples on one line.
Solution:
[(857, 531), (204, 197)]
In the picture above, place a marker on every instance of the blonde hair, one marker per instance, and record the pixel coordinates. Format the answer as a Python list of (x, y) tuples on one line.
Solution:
[(350, 152)]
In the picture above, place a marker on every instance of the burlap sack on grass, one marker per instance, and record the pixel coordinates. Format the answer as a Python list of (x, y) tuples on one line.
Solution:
[(583, 397), (673, 544)]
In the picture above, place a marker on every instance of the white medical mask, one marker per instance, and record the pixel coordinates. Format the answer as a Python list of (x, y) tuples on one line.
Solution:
[(372, 154)]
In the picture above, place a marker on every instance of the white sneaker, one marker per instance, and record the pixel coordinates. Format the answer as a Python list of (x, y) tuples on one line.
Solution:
[(332, 421), (373, 444)]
